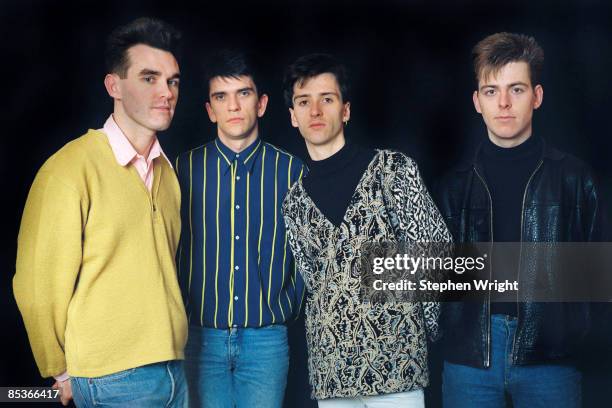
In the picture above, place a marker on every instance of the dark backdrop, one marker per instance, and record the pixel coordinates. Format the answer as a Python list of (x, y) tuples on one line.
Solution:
[(411, 78)]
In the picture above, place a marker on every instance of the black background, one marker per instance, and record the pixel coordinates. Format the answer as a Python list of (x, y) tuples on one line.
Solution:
[(411, 76)]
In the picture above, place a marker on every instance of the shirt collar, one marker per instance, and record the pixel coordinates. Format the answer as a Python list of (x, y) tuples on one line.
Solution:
[(247, 157), (122, 148)]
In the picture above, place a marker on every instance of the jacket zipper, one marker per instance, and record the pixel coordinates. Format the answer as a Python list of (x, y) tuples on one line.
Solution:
[(487, 361), (518, 276)]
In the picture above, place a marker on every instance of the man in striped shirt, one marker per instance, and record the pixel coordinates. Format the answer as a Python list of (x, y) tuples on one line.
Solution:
[(235, 266)]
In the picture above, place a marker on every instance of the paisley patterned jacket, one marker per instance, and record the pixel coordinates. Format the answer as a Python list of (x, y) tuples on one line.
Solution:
[(354, 347)]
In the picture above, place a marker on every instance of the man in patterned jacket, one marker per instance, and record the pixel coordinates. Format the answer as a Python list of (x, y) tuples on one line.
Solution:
[(359, 353)]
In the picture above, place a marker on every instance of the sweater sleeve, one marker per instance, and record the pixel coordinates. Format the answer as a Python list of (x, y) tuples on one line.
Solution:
[(298, 171), (414, 217), (296, 243), (49, 256)]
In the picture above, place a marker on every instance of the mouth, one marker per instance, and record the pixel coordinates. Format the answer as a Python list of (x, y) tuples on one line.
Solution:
[(234, 120), (317, 125), (505, 118), (162, 108)]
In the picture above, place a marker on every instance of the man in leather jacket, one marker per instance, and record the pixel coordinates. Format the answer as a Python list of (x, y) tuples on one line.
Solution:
[(516, 188)]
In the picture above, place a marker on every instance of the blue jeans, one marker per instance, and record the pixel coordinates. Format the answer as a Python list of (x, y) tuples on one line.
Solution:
[(533, 386), (242, 367), (152, 385)]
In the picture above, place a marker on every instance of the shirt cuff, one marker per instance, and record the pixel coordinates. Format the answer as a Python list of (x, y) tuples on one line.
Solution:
[(62, 377)]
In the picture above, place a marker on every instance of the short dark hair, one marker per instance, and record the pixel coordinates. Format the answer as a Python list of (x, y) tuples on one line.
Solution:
[(310, 66), (229, 63), (148, 31), (497, 50)]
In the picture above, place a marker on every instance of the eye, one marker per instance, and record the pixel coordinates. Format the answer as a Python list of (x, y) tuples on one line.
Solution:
[(518, 90), (173, 82), (303, 102), (149, 79), (328, 100), (219, 97), (489, 92), (245, 92)]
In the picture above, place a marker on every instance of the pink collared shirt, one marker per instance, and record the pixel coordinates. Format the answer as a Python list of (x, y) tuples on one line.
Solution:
[(126, 154)]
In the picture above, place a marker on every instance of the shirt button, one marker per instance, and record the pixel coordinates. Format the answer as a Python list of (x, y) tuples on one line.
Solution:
[(235, 297), (236, 267), (237, 154), (237, 177), (237, 236), (234, 326), (237, 207)]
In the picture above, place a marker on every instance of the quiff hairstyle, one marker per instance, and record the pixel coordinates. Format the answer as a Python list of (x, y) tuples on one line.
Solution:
[(491, 54), (148, 31)]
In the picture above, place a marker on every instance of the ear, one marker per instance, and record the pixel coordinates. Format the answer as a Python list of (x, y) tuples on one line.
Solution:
[(211, 113), (346, 112), (294, 121), (476, 102), (111, 83), (538, 91), (261, 105)]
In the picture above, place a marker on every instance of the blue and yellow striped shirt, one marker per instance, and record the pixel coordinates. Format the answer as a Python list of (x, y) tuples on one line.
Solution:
[(234, 263)]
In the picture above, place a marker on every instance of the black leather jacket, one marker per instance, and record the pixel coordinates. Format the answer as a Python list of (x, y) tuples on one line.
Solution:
[(560, 204)]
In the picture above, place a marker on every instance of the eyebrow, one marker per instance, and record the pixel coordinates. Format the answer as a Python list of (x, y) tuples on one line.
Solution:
[(248, 88), (147, 71), (321, 94), (508, 86)]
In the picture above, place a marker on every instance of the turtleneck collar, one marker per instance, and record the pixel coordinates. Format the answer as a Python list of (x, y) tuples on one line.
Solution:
[(527, 148), (335, 162)]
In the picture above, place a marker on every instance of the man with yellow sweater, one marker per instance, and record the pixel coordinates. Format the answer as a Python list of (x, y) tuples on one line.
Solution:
[(96, 278)]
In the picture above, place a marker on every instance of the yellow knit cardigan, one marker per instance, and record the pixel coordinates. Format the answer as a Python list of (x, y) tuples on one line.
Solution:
[(96, 279)]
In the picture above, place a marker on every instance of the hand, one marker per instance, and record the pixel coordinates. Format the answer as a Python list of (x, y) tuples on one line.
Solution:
[(65, 391)]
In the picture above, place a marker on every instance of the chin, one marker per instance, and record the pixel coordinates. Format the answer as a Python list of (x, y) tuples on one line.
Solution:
[(318, 140), (161, 127), (506, 134), (235, 135)]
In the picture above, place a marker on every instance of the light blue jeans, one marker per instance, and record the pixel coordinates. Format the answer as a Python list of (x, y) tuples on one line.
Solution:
[(241, 367), (532, 386), (152, 385)]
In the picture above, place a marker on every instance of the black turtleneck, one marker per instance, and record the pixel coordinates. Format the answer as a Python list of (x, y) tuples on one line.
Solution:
[(331, 182), (507, 171)]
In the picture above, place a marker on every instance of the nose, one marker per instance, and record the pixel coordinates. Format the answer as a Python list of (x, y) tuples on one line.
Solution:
[(315, 110), (232, 103), (165, 92), (504, 100)]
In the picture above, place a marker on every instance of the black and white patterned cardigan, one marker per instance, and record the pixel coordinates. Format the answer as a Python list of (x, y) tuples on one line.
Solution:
[(357, 348)]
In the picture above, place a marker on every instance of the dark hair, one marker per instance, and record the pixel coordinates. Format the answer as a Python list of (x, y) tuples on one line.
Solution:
[(497, 50), (229, 63), (148, 31), (311, 65)]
